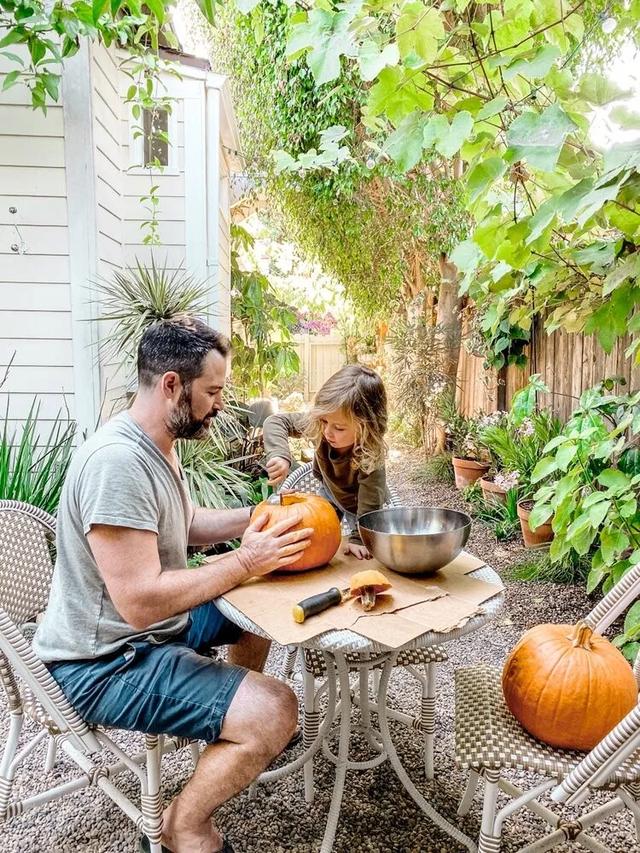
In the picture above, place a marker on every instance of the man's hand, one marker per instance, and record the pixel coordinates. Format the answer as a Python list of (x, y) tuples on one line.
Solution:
[(263, 551), (277, 469), (358, 551)]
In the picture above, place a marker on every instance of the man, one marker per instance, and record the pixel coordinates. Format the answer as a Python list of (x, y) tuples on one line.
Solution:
[(127, 618)]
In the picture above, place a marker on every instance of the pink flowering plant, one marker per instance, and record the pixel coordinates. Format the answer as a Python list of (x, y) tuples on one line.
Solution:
[(515, 440), (313, 324)]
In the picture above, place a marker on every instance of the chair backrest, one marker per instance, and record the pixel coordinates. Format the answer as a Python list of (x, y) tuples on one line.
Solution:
[(622, 741), (302, 479), (26, 537)]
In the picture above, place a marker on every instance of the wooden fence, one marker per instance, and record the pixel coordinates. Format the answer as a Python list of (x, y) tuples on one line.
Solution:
[(568, 364), (320, 357)]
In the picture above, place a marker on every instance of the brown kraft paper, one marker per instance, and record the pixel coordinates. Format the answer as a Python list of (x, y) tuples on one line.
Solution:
[(414, 605)]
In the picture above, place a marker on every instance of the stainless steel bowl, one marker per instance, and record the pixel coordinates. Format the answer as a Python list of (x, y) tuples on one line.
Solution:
[(414, 540)]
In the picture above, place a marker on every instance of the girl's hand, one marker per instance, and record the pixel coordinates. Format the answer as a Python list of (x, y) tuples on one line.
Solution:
[(277, 469), (358, 551)]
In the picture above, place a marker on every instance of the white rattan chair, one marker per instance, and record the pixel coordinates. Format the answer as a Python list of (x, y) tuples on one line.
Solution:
[(26, 536), (489, 740), (302, 479)]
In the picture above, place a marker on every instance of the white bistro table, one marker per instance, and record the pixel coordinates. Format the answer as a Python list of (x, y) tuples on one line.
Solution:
[(335, 645)]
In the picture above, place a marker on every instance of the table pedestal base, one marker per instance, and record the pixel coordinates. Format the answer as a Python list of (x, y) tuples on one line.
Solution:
[(316, 739)]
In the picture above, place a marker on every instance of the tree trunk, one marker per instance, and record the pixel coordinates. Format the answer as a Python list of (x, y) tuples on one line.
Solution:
[(449, 316)]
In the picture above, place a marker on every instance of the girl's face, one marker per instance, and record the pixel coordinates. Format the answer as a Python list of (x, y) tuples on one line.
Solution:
[(339, 430)]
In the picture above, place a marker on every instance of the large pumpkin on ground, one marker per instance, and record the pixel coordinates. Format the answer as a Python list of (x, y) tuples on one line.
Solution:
[(567, 686), (316, 513)]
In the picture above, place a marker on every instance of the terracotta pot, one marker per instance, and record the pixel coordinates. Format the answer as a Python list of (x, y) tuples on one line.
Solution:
[(468, 471), (533, 538), (491, 492)]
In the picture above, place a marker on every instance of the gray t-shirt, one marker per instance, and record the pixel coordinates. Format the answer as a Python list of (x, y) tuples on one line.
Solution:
[(117, 477)]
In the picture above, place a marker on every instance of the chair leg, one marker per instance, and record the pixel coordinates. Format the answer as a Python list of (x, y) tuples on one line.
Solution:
[(310, 728), (289, 664), (469, 792), (489, 842), (151, 801), (634, 790), (8, 755), (428, 717), (51, 755)]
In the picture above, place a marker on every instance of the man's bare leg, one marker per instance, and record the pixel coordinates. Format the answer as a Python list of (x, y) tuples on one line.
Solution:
[(257, 727), (250, 651)]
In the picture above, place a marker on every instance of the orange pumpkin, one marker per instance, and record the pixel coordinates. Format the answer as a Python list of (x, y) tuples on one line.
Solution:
[(316, 512), (567, 686)]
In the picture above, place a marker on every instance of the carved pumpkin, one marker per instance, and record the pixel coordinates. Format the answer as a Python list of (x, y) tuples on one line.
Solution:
[(317, 513), (567, 686)]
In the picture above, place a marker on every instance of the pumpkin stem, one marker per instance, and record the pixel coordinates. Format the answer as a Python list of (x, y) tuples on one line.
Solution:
[(291, 498), (581, 637)]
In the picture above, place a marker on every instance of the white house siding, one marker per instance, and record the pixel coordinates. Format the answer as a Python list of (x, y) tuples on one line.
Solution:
[(35, 299), (107, 110), (224, 240)]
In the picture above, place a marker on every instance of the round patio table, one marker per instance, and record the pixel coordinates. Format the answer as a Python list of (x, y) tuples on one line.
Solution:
[(335, 645)]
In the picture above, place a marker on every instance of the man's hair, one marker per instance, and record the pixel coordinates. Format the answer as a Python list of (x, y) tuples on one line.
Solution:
[(180, 345)]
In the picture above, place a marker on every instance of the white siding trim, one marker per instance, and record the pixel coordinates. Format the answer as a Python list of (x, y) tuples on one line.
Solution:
[(220, 317), (81, 205), (195, 180)]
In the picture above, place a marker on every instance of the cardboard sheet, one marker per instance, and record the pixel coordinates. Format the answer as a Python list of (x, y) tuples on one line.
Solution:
[(412, 606)]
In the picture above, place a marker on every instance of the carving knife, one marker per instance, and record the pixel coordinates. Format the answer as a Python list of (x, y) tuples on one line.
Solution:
[(315, 604)]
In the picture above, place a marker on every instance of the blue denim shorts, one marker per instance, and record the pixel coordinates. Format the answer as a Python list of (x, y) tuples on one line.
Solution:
[(168, 688)]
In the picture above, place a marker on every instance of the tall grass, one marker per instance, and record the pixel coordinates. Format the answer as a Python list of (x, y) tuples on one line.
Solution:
[(33, 470)]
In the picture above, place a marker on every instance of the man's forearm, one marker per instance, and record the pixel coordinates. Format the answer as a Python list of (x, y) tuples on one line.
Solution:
[(210, 526), (174, 592)]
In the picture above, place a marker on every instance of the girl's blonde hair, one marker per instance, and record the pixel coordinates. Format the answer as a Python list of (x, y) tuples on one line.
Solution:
[(359, 392)]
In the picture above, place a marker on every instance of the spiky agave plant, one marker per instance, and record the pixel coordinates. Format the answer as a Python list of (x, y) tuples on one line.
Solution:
[(138, 296), (33, 469)]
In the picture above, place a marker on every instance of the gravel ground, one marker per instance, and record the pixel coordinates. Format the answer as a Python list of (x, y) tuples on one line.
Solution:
[(377, 815)]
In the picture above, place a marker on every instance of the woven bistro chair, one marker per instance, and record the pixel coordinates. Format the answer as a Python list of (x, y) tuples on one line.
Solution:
[(489, 741), (26, 567), (302, 479)]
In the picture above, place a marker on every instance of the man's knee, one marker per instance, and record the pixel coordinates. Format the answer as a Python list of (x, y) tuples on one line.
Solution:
[(264, 712)]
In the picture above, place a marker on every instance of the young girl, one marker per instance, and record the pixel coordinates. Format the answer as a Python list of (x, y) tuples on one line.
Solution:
[(347, 425)]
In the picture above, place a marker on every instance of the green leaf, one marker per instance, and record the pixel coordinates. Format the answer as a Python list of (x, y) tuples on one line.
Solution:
[(599, 90), (565, 456), (546, 466), (372, 60), (450, 143), (632, 619), (598, 513), (535, 68), (404, 146), (99, 6), (483, 175), (16, 35), (612, 543), (492, 108), (626, 118), (612, 478), (418, 30), (327, 37), (52, 85), (627, 269), (539, 137), (157, 9), (594, 579), (10, 79), (540, 514)]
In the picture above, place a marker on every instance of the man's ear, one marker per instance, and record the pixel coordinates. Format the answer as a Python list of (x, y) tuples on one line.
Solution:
[(170, 385)]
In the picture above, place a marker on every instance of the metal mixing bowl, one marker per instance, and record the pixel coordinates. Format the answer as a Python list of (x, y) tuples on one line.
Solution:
[(414, 540)]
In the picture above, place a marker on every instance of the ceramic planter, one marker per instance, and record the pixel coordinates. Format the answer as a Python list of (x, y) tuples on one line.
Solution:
[(491, 492), (468, 471), (541, 535)]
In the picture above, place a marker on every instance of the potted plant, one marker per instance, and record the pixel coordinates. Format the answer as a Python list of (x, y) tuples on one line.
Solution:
[(466, 453)]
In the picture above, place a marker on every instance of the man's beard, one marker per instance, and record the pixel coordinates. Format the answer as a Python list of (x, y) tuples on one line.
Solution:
[(182, 423)]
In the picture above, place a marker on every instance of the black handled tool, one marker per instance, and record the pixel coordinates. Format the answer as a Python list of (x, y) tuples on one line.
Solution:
[(319, 602)]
